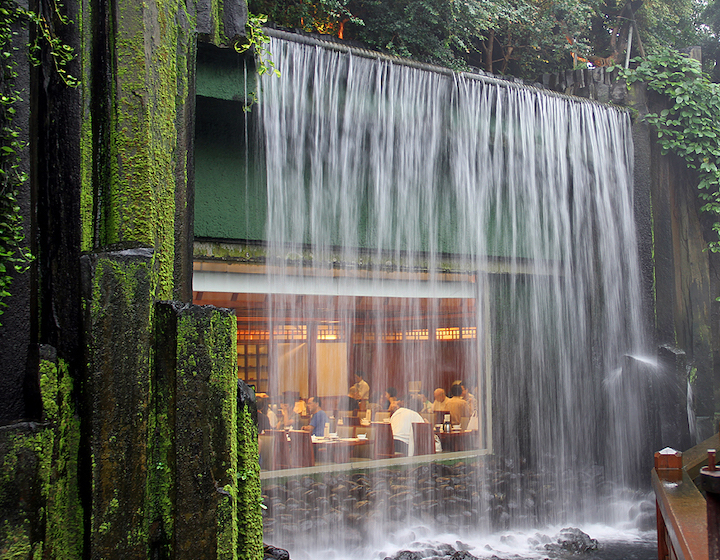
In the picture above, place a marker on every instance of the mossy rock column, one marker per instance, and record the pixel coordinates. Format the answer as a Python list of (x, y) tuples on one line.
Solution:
[(24, 459), (119, 337), (198, 344), (250, 543), (40, 512)]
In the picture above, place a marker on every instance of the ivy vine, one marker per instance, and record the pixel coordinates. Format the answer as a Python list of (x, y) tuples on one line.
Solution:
[(690, 127), (256, 41), (15, 257)]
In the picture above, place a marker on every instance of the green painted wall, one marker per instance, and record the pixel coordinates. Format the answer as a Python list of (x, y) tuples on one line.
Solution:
[(230, 198), (230, 179)]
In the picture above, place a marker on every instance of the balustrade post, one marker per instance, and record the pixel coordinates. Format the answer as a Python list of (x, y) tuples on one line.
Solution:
[(710, 484), (668, 465)]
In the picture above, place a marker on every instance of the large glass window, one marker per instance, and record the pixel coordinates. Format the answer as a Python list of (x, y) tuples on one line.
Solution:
[(293, 346)]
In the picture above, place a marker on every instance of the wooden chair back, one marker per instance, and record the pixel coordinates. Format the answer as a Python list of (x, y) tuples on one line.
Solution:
[(301, 449), (280, 455), (383, 445), (423, 438)]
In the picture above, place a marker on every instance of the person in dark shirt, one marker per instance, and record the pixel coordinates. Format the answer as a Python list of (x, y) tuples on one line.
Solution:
[(263, 420)]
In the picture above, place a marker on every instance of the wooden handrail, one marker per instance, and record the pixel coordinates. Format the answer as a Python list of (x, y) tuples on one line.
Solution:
[(681, 508)]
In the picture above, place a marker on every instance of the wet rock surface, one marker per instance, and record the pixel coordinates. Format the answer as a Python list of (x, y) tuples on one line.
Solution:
[(354, 507), (441, 552), (274, 553), (572, 540), (569, 544)]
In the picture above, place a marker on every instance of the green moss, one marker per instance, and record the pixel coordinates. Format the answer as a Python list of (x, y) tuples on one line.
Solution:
[(87, 196), (250, 544), (15, 543), (49, 390), (223, 382), (25, 463), (64, 525)]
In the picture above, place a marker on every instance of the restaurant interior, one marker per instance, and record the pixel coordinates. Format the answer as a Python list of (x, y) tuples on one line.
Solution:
[(293, 346)]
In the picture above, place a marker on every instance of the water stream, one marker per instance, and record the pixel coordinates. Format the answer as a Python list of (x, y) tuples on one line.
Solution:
[(449, 226)]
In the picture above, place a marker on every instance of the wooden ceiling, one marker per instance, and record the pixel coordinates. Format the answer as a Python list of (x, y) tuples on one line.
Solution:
[(359, 310)]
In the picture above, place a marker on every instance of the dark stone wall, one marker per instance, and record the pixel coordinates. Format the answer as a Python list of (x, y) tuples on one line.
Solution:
[(680, 277), (18, 390), (686, 280)]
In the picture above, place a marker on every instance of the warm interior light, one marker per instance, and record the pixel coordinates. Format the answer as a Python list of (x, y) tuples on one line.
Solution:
[(417, 334), (329, 331), (447, 333)]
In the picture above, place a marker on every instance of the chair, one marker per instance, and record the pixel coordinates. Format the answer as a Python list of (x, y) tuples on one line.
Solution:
[(380, 416), (367, 430), (429, 417), (383, 445), (365, 451), (265, 448), (346, 431), (464, 420), (280, 456), (301, 449), (423, 438)]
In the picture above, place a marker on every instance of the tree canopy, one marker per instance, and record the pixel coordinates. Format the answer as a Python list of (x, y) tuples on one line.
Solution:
[(518, 37)]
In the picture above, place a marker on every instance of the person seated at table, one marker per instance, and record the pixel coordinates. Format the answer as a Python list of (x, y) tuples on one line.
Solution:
[(391, 398), (426, 404), (467, 396), (456, 405), (288, 418), (272, 417), (319, 417), (299, 407), (440, 403), (401, 422)]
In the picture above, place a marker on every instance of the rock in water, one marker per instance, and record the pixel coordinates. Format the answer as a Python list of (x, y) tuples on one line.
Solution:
[(273, 553), (406, 555), (572, 540)]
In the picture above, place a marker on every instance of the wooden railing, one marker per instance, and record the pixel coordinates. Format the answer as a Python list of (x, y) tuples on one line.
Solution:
[(682, 511)]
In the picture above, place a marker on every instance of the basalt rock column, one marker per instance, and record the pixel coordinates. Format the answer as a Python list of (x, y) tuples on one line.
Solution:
[(195, 439)]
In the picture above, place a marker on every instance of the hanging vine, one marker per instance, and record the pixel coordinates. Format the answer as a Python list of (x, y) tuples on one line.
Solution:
[(15, 257), (689, 127)]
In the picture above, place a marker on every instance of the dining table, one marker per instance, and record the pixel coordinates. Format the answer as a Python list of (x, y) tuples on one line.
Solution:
[(336, 449), (456, 440)]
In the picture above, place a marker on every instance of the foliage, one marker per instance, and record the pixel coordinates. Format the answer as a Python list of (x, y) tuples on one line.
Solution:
[(255, 40), (667, 24), (534, 36), (710, 38), (321, 16), (519, 37), (689, 127), (434, 31), (14, 256), (45, 37)]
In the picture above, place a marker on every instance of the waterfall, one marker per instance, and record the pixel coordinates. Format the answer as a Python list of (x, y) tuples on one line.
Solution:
[(396, 194)]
